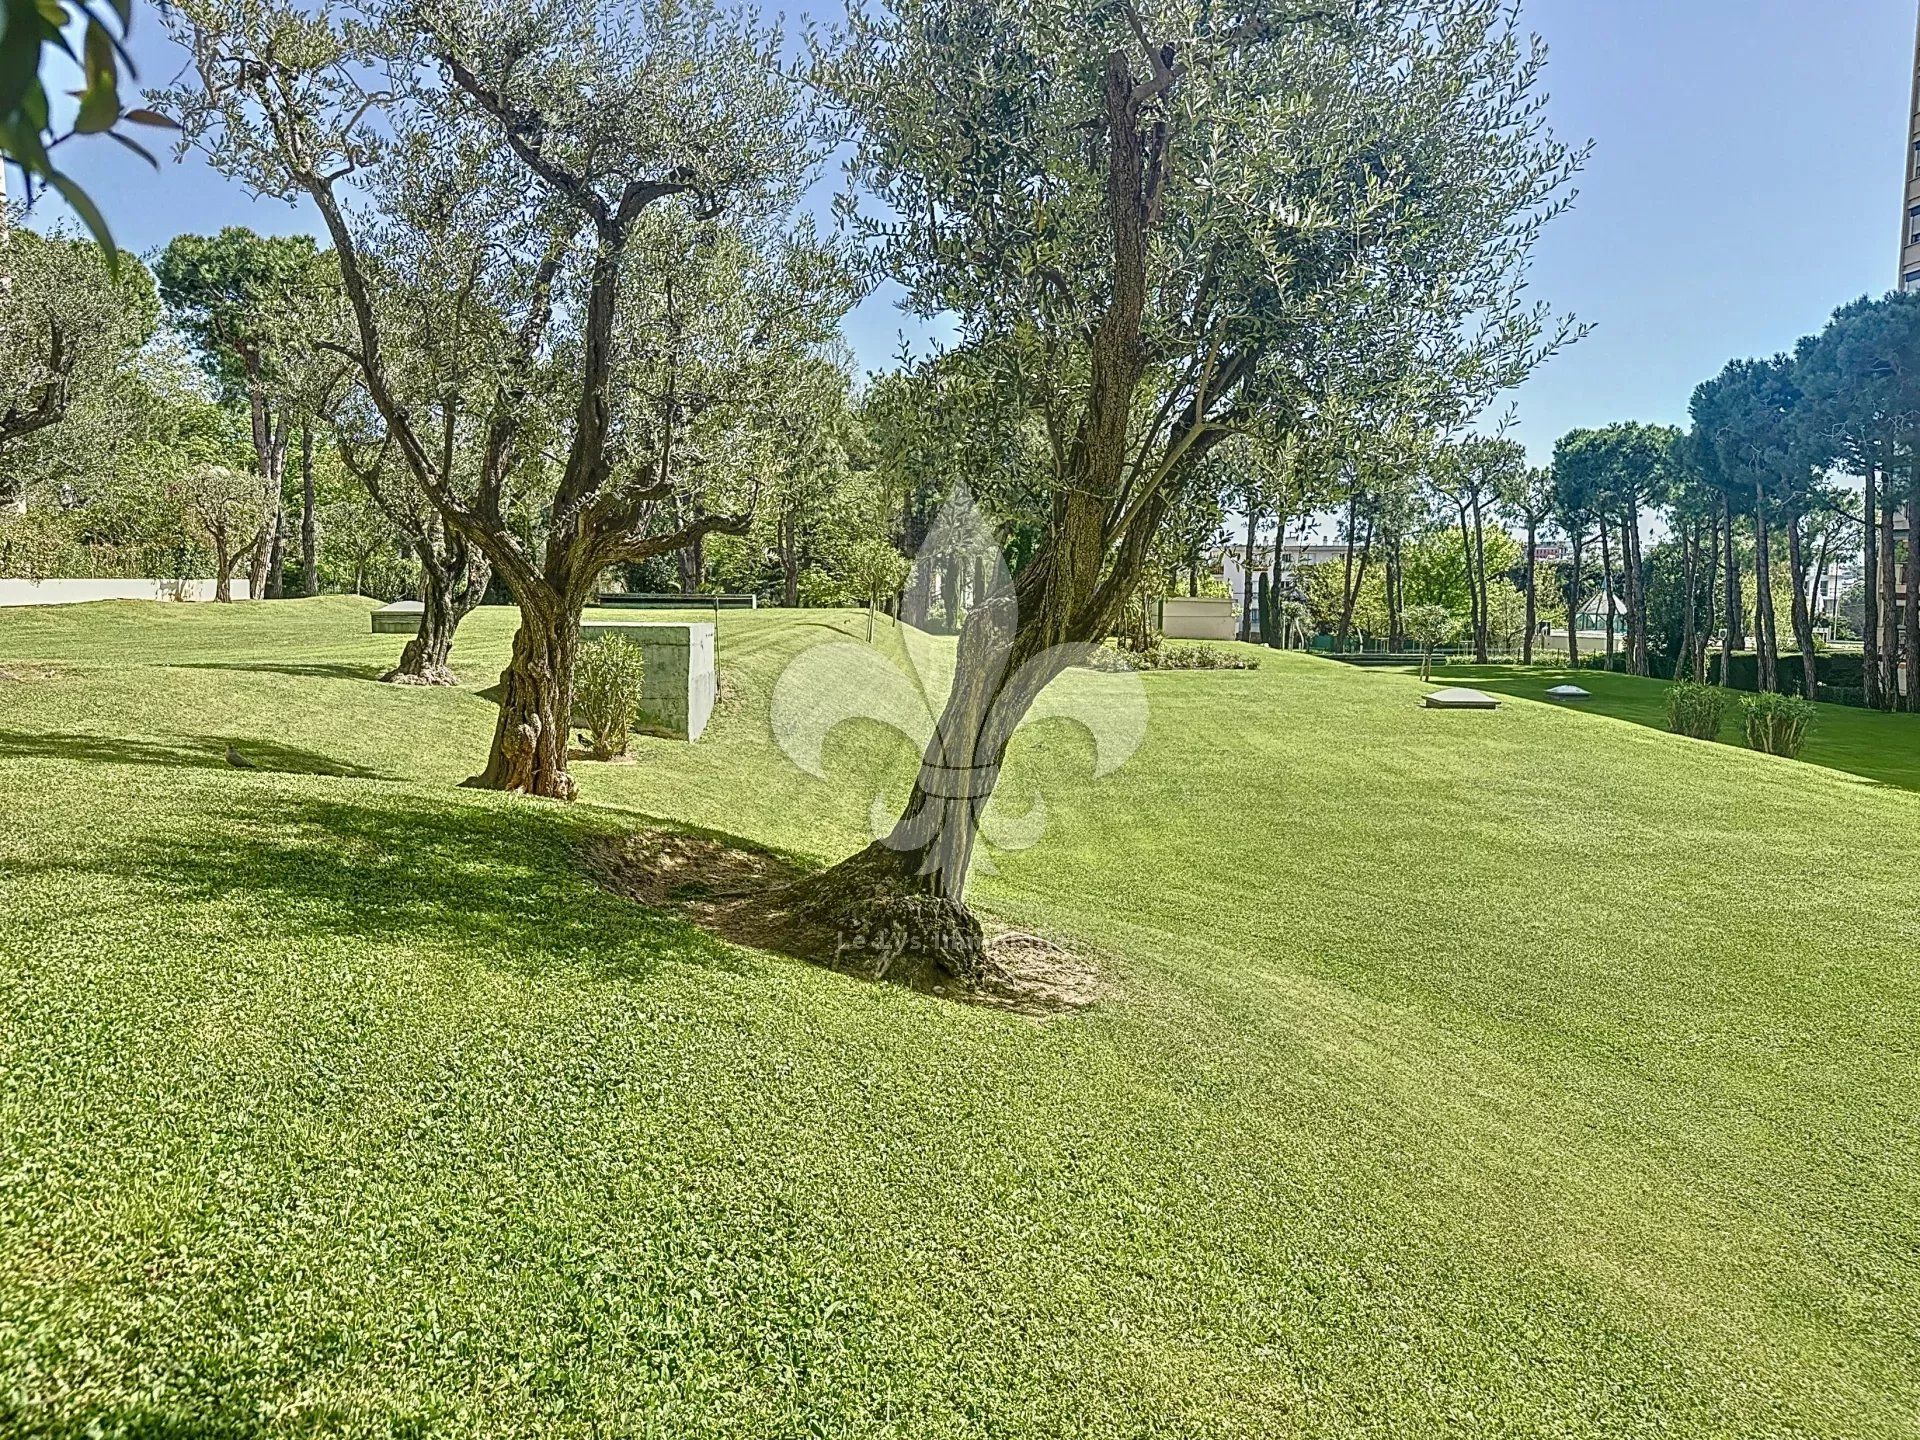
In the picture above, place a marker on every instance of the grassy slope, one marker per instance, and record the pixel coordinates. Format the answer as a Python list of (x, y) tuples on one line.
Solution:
[(1507, 1074), (1868, 743)]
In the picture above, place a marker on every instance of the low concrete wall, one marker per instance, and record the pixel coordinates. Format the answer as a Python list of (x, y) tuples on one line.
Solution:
[(82, 592), (402, 617), (680, 681), (1204, 618)]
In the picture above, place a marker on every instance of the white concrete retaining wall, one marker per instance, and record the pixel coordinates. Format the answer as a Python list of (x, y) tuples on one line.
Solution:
[(1204, 618), (80, 592), (402, 617), (680, 680)]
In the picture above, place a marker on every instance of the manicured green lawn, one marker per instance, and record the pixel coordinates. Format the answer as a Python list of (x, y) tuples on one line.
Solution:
[(1523, 1073), (1871, 743)]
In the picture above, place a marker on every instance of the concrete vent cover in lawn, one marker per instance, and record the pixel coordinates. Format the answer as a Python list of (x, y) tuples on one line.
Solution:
[(1458, 698), (1568, 692)]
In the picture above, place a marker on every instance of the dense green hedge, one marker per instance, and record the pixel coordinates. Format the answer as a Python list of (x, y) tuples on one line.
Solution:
[(1843, 670), (1841, 676)]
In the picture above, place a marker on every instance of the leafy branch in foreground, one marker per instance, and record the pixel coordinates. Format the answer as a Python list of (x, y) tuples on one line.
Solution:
[(33, 34)]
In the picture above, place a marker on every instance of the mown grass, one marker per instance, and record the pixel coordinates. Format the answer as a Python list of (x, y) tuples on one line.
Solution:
[(1522, 1073), (1869, 743)]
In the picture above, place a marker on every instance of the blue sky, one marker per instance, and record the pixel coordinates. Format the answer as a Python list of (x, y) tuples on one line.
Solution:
[(1746, 181)]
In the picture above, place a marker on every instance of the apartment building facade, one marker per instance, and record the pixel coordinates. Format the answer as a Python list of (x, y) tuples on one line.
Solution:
[(1910, 209)]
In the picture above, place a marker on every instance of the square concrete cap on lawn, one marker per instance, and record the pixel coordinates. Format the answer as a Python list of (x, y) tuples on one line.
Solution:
[(402, 617), (1457, 698), (1568, 692)]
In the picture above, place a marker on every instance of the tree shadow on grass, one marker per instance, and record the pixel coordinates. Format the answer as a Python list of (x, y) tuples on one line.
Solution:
[(503, 882), (315, 671), (205, 752)]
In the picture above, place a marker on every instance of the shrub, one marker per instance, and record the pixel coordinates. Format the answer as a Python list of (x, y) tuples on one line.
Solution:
[(1778, 724), (1695, 710), (1165, 655), (1173, 656), (606, 694)]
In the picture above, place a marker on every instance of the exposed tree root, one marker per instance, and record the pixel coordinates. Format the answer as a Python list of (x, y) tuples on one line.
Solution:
[(434, 675), (871, 929)]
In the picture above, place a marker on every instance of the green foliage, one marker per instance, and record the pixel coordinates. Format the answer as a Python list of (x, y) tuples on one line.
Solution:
[(821, 589), (1430, 625), (332, 1086), (249, 303), (1841, 668), (1434, 565), (225, 507), (607, 685), (1746, 432), (1322, 585), (1163, 654), (1182, 655), (1777, 724), (1695, 710), (1506, 615), (31, 35), (1618, 469), (1269, 622), (874, 570), (1859, 392), (71, 333)]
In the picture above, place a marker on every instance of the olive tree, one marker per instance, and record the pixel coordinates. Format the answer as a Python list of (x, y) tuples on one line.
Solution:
[(608, 180), (453, 573), (1139, 213), (1430, 626), (224, 505), (69, 330)]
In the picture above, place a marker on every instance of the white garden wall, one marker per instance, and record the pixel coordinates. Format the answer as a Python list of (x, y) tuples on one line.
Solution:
[(79, 592)]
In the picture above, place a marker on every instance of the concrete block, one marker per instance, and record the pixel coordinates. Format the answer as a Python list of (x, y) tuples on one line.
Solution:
[(402, 617), (1461, 698), (1201, 618), (681, 679)]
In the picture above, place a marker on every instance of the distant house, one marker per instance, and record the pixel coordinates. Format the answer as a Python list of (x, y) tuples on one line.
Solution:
[(1228, 563)]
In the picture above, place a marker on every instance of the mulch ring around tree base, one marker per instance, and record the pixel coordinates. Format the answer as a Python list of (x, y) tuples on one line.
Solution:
[(736, 893)]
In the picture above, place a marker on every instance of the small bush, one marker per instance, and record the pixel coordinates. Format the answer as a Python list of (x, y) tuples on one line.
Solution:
[(1166, 655), (1778, 724), (1695, 710), (606, 694)]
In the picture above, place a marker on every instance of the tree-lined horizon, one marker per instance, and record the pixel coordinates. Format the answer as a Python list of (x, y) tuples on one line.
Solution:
[(568, 326)]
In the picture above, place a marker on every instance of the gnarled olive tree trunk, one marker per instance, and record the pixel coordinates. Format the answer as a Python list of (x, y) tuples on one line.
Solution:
[(453, 582), (897, 909), (529, 750)]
